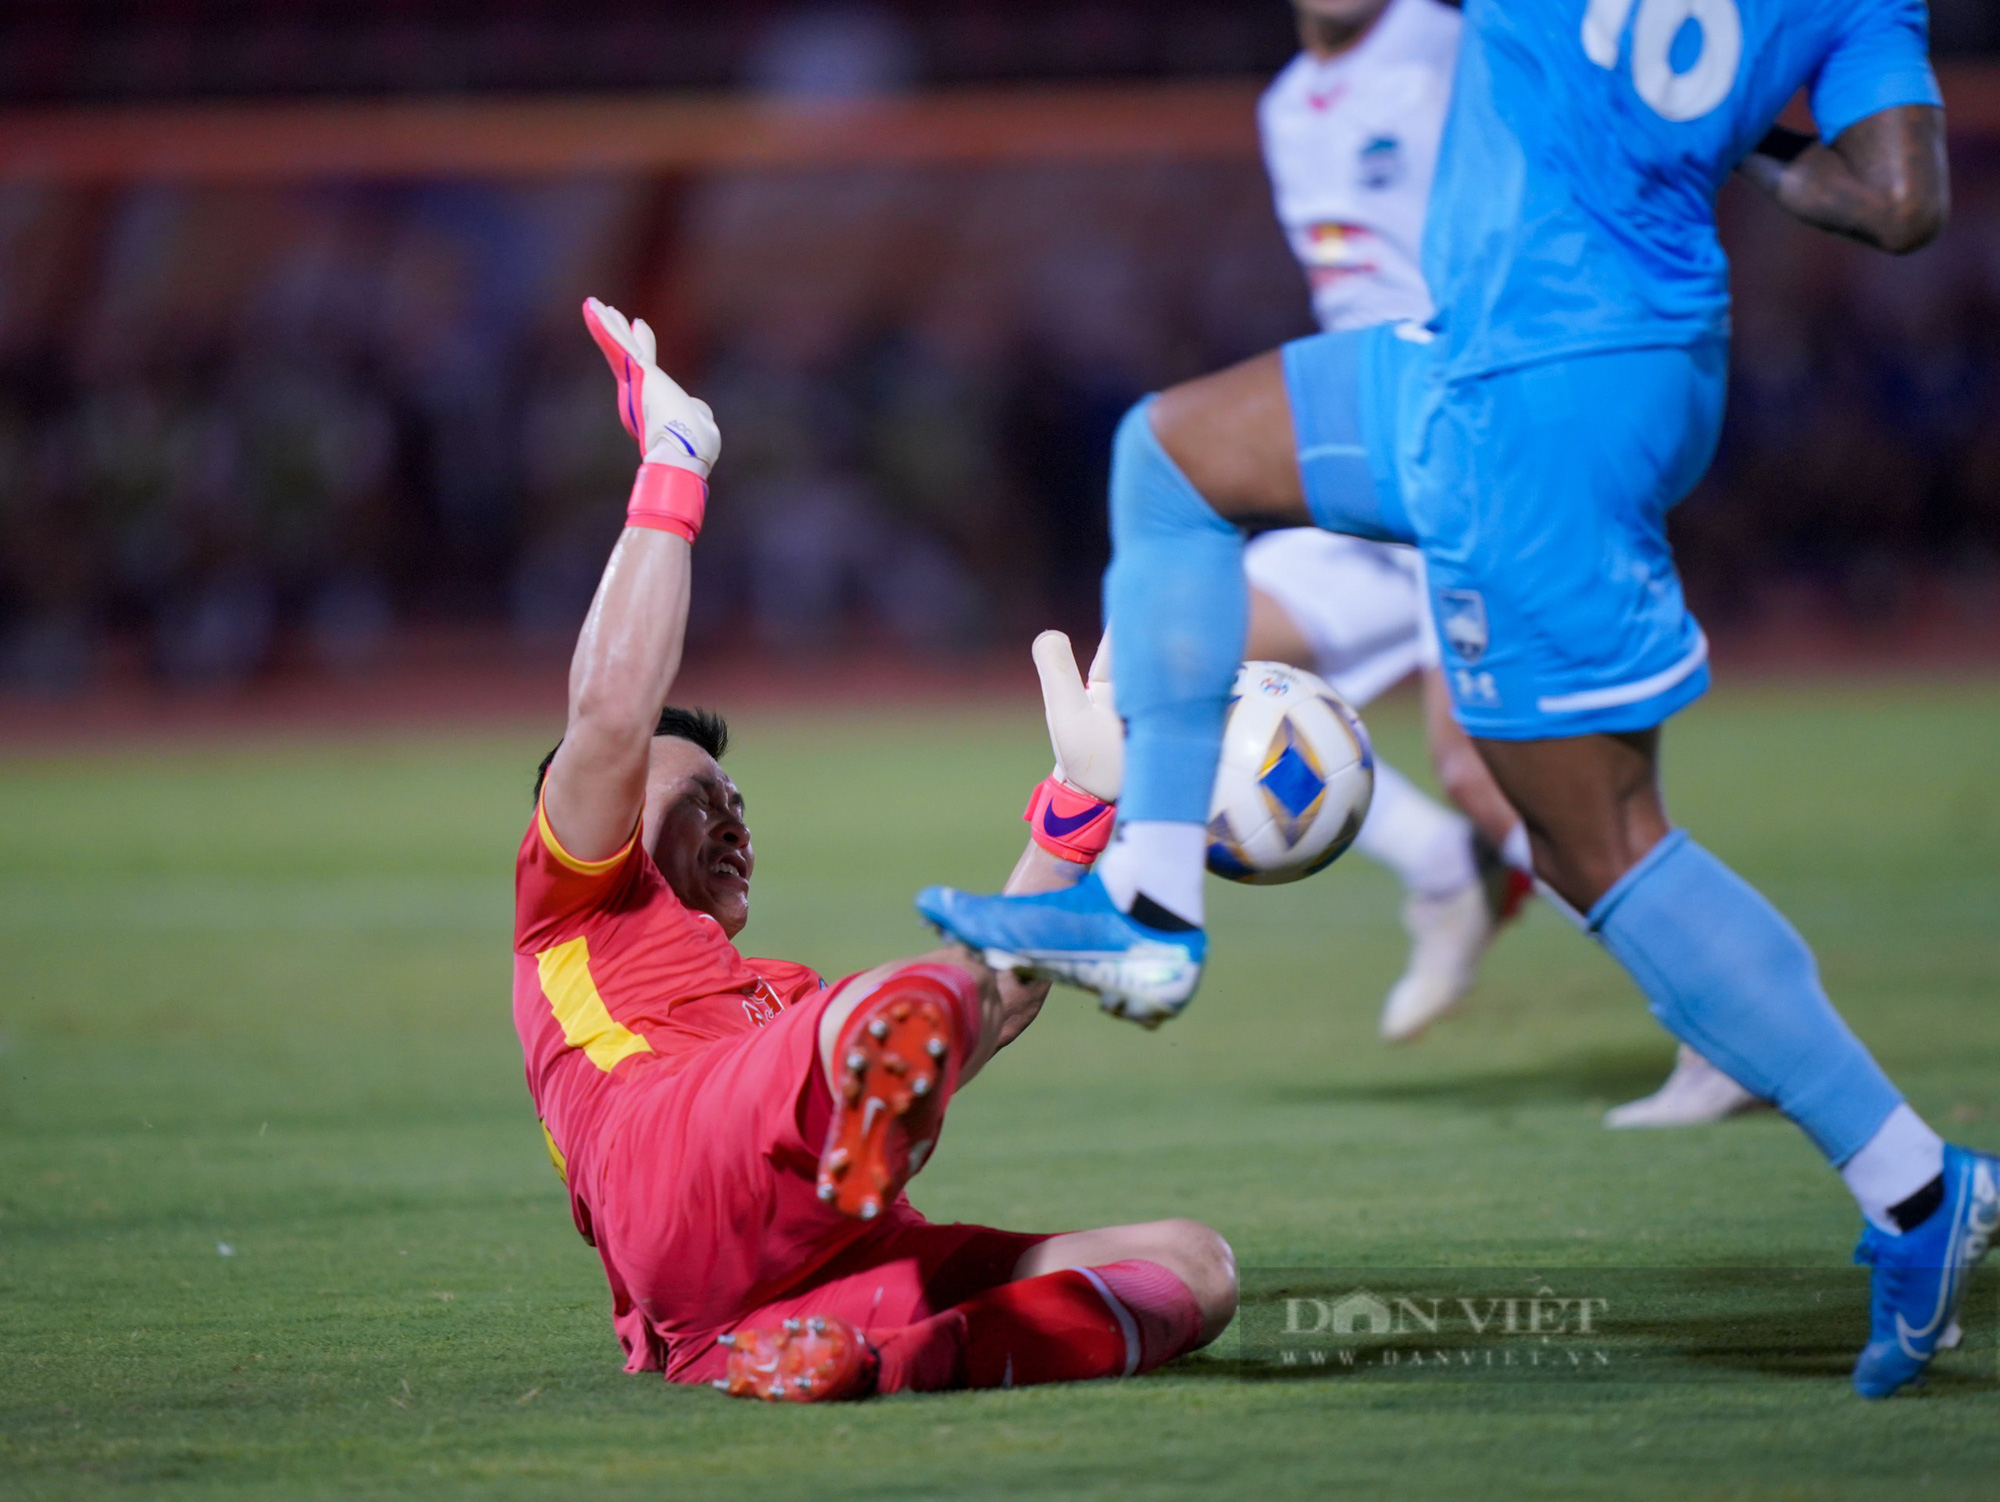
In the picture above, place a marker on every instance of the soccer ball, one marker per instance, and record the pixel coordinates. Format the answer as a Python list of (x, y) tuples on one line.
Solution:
[(1295, 778)]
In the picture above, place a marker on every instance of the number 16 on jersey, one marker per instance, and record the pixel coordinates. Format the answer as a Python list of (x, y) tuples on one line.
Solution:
[(1685, 53)]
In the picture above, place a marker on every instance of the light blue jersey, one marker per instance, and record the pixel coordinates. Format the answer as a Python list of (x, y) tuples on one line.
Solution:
[(1574, 203), (1584, 310)]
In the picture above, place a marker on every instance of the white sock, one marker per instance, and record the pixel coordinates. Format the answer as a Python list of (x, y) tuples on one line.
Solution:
[(1164, 861), (1902, 1157), (1421, 840), (1515, 852)]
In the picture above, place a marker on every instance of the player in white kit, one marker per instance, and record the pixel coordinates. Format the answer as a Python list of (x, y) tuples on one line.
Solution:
[(1350, 131)]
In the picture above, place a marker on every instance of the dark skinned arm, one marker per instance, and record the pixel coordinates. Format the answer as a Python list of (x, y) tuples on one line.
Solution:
[(1882, 181)]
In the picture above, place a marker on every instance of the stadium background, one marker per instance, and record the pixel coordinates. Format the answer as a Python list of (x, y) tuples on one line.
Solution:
[(305, 475), (290, 383)]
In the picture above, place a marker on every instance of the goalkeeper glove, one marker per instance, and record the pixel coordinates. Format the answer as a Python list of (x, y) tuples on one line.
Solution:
[(1070, 813), (676, 433)]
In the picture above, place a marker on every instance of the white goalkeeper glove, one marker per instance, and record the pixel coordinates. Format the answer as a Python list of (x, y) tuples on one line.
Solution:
[(676, 433), (670, 426), (1084, 728), (1070, 813)]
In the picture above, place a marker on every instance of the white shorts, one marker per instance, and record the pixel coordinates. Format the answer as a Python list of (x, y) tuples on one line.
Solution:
[(1359, 605)]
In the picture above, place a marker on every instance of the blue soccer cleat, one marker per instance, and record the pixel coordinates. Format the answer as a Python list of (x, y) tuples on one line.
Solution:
[(1140, 971), (1920, 1275)]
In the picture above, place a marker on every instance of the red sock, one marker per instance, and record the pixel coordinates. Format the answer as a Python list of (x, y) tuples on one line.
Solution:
[(1161, 1305), (1066, 1326)]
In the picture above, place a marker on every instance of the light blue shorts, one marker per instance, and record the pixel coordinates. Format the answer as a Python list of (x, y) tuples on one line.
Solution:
[(1349, 392), (1539, 497)]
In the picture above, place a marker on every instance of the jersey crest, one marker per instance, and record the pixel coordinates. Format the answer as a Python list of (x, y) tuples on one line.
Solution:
[(1462, 621), (1382, 164)]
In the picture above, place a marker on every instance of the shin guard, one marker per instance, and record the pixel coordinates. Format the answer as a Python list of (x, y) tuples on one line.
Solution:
[(1177, 606)]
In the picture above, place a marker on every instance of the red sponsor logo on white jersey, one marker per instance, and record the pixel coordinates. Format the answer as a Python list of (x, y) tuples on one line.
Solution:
[(1335, 250)]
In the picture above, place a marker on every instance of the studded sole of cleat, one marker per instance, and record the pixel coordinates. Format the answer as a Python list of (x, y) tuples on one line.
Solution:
[(893, 1065), (801, 1361)]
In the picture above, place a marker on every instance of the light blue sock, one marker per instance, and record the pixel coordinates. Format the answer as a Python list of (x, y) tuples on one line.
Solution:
[(1178, 608), (1727, 975)]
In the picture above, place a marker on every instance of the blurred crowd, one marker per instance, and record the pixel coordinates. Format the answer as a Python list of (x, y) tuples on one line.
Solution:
[(238, 424), (95, 50), (98, 50), (1860, 461), (241, 426)]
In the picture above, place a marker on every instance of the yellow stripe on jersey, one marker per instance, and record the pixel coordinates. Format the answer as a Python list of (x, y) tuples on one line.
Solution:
[(586, 1022), (555, 1153), (581, 867)]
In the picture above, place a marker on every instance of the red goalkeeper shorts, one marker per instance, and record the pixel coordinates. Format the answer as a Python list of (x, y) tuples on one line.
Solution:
[(701, 1196)]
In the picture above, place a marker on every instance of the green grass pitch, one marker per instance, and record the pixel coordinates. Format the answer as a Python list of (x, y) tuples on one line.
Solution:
[(275, 1218)]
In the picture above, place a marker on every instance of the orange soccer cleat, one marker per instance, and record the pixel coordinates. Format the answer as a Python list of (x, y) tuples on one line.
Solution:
[(896, 1070), (814, 1360)]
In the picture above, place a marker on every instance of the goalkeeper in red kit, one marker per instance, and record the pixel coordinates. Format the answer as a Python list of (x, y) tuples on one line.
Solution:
[(735, 1134)]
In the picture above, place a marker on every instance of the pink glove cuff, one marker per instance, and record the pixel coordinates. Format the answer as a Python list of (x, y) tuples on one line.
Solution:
[(668, 499), (1068, 822)]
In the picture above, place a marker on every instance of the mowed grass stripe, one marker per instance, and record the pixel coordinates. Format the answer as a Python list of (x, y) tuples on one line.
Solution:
[(257, 999)]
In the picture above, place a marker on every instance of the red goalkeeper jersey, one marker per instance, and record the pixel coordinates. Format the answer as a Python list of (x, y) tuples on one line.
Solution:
[(612, 976)]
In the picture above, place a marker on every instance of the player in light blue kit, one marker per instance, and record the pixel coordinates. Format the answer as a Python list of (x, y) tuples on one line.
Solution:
[(1531, 441)]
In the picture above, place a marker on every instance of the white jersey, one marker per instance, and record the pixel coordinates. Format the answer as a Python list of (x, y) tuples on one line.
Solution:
[(1351, 144), (1359, 605)]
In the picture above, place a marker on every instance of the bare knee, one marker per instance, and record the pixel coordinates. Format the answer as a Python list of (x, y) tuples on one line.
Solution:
[(1231, 434), (1207, 1264), (1591, 803), (1191, 1251), (1582, 862), (1580, 875)]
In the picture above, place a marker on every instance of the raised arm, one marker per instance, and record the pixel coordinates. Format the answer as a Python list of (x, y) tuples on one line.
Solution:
[(630, 648), (1883, 181)]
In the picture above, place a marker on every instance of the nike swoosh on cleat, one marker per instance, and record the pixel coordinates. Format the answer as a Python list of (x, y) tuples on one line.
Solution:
[(1055, 824), (1927, 1332)]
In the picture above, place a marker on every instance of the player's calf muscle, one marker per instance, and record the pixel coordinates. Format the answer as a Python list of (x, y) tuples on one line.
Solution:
[(1591, 804)]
